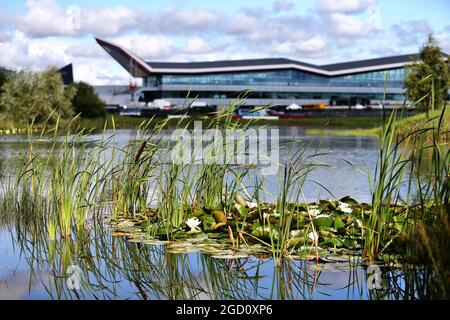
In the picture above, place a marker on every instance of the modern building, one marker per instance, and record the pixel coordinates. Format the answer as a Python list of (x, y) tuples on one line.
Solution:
[(273, 81), (67, 74)]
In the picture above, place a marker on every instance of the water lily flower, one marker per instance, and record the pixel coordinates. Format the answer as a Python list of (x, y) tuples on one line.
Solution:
[(313, 236), (344, 207), (313, 212), (252, 205), (193, 223), (294, 233)]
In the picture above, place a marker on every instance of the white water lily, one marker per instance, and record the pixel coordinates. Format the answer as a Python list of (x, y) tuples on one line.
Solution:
[(313, 236), (313, 212), (252, 205), (295, 233), (193, 223), (344, 207)]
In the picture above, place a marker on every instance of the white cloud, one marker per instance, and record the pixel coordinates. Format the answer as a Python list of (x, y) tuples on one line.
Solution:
[(243, 22), (282, 5), (348, 26), (197, 46), (343, 6), (312, 45), (85, 50), (100, 73), (147, 47), (411, 32), (45, 18), (48, 18), (172, 20), (383, 49), (108, 21), (3, 36), (443, 40), (23, 52)]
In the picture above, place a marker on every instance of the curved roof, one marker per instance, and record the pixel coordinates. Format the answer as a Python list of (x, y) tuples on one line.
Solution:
[(138, 67)]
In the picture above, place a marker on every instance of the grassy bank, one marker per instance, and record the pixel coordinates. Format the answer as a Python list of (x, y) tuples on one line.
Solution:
[(402, 126), (124, 122)]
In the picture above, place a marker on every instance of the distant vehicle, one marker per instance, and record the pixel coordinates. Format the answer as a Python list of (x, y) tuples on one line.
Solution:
[(315, 106), (198, 104), (294, 107), (350, 101), (248, 112), (201, 107), (157, 104)]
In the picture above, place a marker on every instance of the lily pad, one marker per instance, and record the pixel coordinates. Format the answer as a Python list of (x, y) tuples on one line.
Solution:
[(323, 222), (349, 200), (220, 216), (125, 224), (183, 247), (338, 224), (243, 211), (341, 258), (209, 223), (237, 255), (136, 240)]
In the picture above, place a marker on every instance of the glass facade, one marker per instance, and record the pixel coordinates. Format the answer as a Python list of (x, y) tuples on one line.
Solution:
[(395, 78), (166, 94)]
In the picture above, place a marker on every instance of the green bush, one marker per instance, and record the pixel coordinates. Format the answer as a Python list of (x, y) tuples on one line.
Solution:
[(38, 96), (3, 78), (86, 102)]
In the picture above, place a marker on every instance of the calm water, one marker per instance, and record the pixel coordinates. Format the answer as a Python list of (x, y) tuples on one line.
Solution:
[(113, 268)]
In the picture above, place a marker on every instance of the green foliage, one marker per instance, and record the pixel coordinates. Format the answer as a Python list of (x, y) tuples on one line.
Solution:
[(3, 78), (86, 102), (29, 96), (428, 78)]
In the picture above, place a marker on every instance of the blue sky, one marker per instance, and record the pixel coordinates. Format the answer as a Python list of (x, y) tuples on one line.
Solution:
[(38, 33)]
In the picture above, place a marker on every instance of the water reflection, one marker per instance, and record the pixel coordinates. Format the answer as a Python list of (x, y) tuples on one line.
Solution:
[(113, 268)]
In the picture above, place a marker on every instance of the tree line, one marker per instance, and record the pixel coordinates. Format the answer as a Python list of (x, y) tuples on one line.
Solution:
[(27, 96)]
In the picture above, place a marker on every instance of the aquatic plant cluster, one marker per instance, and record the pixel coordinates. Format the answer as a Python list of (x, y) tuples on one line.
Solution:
[(219, 208), (326, 230)]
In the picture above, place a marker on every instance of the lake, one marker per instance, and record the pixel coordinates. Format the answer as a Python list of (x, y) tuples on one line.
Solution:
[(104, 266)]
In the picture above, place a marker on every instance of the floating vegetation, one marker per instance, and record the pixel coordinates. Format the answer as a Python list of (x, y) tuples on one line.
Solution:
[(339, 229)]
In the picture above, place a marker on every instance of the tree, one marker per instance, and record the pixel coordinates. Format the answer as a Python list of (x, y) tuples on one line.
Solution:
[(3, 78), (428, 70), (86, 102), (34, 96)]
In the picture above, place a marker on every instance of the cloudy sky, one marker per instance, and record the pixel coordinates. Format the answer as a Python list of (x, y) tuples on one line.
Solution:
[(38, 33)]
